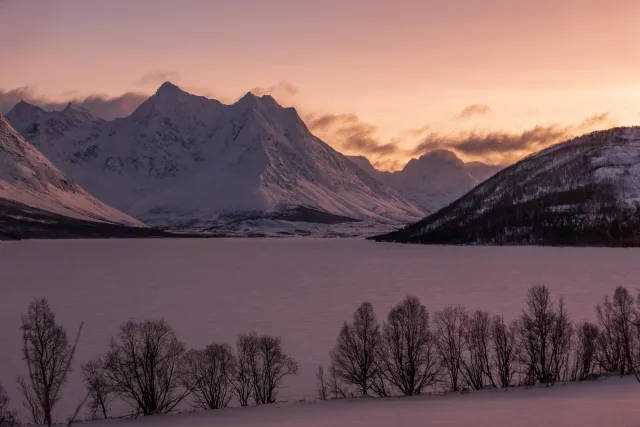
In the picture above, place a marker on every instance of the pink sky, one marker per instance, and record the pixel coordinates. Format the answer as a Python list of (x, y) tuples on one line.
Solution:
[(397, 65)]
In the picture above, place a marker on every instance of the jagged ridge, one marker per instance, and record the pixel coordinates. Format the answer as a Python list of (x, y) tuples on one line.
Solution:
[(183, 162)]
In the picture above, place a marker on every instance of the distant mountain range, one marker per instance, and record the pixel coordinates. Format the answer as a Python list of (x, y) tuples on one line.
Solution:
[(185, 162), (190, 164), (433, 180), (37, 200), (585, 191)]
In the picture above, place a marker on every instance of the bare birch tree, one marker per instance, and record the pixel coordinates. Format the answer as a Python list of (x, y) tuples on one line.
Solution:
[(209, 374), (99, 388), (545, 332), (322, 384), (143, 364), (585, 351), (48, 354), (505, 351), (267, 365), (408, 357), (615, 318), (450, 342), (353, 358), (246, 355), (476, 364), (8, 416)]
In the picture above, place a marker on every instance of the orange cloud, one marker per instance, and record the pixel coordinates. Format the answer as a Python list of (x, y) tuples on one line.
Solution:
[(350, 133)]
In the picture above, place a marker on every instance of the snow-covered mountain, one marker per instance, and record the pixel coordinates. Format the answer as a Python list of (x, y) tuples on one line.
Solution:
[(28, 180), (182, 161), (433, 180), (585, 191)]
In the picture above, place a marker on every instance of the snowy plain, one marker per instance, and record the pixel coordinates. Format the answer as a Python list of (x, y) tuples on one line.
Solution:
[(303, 289), (611, 402)]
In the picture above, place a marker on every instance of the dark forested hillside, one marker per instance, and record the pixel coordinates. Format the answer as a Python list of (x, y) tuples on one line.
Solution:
[(19, 221), (583, 192)]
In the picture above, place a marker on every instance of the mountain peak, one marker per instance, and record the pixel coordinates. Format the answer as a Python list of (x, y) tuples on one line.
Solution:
[(250, 99), (23, 114), (23, 107), (75, 108), (441, 154), (435, 158), (168, 88)]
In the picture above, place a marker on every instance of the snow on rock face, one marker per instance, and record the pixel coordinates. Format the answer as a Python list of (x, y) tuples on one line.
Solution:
[(585, 191), (182, 161), (434, 179), (27, 177)]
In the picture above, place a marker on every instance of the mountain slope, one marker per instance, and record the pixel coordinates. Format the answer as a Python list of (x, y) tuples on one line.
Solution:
[(581, 192), (433, 180), (187, 162), (29, 180)]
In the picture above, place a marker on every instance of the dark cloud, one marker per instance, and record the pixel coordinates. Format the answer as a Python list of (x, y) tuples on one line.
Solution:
[(110, 108), (596, 121), (157, 77), (473, 110), (350, 134), (104, 106), (326, 121), (479, 144), (279, 89), (9, 98), (508, 146)]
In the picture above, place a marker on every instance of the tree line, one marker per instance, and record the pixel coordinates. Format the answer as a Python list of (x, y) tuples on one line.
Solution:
[(411, 352), (145, 366)]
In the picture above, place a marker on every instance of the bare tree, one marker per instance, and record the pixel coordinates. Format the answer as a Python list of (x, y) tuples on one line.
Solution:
[(615, 317), (99, 388), (353, 358), (408, 358), (322, 384), (264, 366), (8, 416), (585, 352), (143, 364), (505, 351), (48, 355), (272, 367), (246, 347), (209, 373), (380, 385), (450, 342), (476, 364), (561, 338), (609, 353), (337, 390), (545, 333)]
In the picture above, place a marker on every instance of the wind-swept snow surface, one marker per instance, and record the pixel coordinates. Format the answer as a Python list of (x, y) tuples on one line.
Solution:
[(187, 162), (610, 402), (28, 179)]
